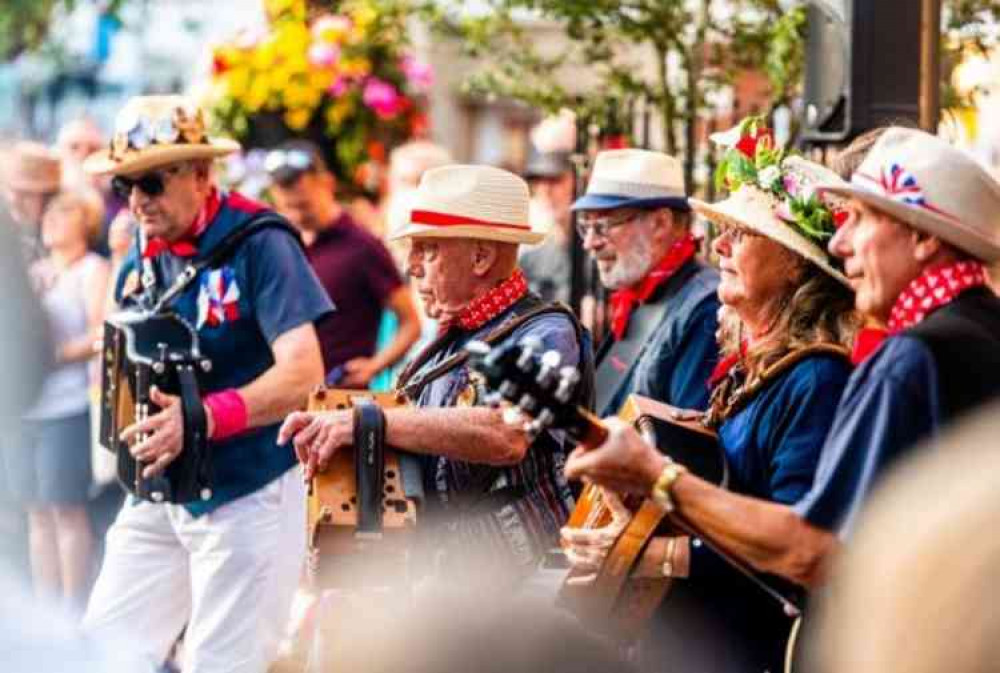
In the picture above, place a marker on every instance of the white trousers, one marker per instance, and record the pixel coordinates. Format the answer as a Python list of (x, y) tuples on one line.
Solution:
[(230, 575)]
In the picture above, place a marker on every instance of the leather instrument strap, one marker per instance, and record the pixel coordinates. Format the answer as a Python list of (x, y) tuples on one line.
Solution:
[(369, 465)]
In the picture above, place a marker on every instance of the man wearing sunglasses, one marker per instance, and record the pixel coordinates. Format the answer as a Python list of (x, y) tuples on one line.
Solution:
[(226, 567), (635, 223), (354, 267)]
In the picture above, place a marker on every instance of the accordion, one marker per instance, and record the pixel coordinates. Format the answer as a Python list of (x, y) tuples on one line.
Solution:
[(142, 350)]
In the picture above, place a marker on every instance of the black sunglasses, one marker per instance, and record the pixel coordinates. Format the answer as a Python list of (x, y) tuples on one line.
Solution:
[(151, 184)]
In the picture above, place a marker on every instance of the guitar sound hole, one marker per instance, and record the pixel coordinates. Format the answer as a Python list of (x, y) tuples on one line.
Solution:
[(345, 507), (390, 474), (354, 500), (390, 488)]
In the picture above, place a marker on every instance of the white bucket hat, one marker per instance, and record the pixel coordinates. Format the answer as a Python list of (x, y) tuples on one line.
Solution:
[(634, 179), (469, 201), (153, 131), (932, 186), (754, 208)]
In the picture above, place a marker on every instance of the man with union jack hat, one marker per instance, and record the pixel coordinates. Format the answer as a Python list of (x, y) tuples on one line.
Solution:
[(227, 566), (923, 219)]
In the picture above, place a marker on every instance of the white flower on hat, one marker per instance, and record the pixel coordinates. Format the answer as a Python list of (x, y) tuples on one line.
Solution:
[(769, 178)]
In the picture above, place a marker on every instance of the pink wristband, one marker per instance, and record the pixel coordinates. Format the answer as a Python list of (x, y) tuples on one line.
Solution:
[(229, 413)]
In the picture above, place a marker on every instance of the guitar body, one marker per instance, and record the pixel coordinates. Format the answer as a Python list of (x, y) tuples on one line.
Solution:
[(615, 598)]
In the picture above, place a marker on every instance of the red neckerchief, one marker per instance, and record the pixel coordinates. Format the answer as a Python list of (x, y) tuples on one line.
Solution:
[(492, 303), (925, 294), (726, 364), (186, 246), (624, 301)]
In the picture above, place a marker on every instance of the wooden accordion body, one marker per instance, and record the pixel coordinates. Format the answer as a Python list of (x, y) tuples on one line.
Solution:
[(142, 350), (337, 543)]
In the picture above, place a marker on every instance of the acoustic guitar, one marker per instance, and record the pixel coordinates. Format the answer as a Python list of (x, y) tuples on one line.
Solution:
[(616, 599)]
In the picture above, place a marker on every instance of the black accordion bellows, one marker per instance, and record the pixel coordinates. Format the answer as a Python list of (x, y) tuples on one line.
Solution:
[(142, 350)]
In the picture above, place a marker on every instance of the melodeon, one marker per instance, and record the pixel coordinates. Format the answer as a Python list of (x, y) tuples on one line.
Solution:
[(142, 350), (365, 500)]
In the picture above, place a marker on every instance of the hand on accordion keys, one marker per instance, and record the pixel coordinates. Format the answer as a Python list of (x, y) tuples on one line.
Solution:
[(316, 436), (586, 548), (160, 437)]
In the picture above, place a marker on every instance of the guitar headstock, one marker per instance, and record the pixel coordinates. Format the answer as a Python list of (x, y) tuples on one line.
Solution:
[(534, 381)]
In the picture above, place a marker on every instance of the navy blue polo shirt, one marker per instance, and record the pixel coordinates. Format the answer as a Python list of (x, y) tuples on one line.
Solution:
[(265, 289), (890, 404)]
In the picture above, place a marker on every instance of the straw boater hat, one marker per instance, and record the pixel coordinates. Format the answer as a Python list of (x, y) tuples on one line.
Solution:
[(31, 167), (928, 184), (153, 131), (754, 208), (466, 201), (634, 179)]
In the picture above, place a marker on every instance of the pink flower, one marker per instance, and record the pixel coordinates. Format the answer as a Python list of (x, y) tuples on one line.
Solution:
[(382, 97), (418, 74), (339, 87), (323, 55)]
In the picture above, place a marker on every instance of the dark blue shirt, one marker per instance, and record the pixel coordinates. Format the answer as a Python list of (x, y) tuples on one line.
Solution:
[(772, 445), (890, 404), (263, 290), (677, 360)]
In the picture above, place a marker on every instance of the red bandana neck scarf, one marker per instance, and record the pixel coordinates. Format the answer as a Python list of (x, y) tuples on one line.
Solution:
[(490, 304), (726, 364), (624, 301), (186, 246), (925, 294)]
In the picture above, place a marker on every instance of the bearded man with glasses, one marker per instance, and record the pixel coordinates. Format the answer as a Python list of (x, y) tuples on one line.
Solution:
[(225, 567), (635, 222)]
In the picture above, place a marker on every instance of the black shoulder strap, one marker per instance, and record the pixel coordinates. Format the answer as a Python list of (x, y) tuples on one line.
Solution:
[(411, 385), (222, 251)]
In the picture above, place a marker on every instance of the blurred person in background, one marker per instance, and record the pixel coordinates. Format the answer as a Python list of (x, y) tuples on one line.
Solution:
[(50, 471), (31, 175), (354, 267), (78, 139), (916, 589), (550, 175)]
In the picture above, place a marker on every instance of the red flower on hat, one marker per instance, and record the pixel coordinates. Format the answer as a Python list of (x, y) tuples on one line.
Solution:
[(754, 136)]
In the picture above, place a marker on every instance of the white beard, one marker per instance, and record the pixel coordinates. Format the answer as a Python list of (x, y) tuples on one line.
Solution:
[(630, 265)]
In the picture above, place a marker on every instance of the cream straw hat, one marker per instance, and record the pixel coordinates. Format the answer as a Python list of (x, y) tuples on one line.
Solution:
[(153, 131), (632, 178), (932, 186), (470, 201)]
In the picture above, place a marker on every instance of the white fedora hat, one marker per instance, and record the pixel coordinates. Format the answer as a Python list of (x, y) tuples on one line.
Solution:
[(758, 209), (634, 179), (470, 201), (153, 131), (932, 186)]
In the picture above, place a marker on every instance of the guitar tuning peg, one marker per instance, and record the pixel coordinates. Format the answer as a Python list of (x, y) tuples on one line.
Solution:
[(527, 404), (550, 364), (568, 378), (545, 419), (513, 416), (493, 400), (508, 390), (531, 430)]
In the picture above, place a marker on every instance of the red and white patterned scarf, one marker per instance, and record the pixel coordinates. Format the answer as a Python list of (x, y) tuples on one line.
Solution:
[(492, 303), (934, 288)]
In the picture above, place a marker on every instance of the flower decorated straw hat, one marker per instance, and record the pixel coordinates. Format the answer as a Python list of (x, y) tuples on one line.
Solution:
[(932, 186), (468, 201), (634, 179), (153, 131), (775, 195), (31, 167)]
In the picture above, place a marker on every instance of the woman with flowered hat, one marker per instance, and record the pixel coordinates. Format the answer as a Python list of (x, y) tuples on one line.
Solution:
[(786, 328)]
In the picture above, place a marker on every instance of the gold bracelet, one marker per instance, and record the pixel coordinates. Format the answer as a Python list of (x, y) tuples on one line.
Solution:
[(665, 482), (668, 557)]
